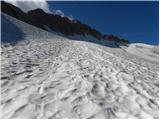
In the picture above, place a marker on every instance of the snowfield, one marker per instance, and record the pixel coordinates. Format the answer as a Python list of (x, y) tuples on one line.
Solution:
[(145, 51), (45, 75)]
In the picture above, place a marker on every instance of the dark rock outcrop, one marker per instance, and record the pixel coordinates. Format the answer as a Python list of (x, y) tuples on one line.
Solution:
[(115, 38)]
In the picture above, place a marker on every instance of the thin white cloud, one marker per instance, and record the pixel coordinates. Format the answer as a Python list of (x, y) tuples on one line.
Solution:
[(70, 17), (58, 12), (27, 5)]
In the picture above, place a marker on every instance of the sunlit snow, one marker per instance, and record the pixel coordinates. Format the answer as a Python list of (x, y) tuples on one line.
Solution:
[(44, 75)]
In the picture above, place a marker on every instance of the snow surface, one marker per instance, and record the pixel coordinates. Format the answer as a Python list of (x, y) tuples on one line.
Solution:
[(45, 75), (148, 52)]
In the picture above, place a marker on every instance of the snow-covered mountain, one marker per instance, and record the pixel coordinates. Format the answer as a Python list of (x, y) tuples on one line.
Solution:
[(46, 75), (57, 23)]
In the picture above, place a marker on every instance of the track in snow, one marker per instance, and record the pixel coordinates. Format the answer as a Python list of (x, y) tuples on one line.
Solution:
[(54, 77)]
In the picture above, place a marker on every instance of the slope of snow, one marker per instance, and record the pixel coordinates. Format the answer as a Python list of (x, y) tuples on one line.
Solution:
[(49, 76), (148, 52), (90, 38)]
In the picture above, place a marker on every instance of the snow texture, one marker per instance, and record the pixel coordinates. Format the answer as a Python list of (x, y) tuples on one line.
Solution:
[(44, 75)]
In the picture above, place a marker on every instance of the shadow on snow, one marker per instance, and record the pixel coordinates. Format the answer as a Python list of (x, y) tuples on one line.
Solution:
[(10, 33)]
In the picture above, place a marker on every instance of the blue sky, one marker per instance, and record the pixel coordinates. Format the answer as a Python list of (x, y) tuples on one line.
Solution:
[(133, 20)]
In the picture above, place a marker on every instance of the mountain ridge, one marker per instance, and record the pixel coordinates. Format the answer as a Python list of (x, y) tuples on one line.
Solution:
[(68, 27)]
